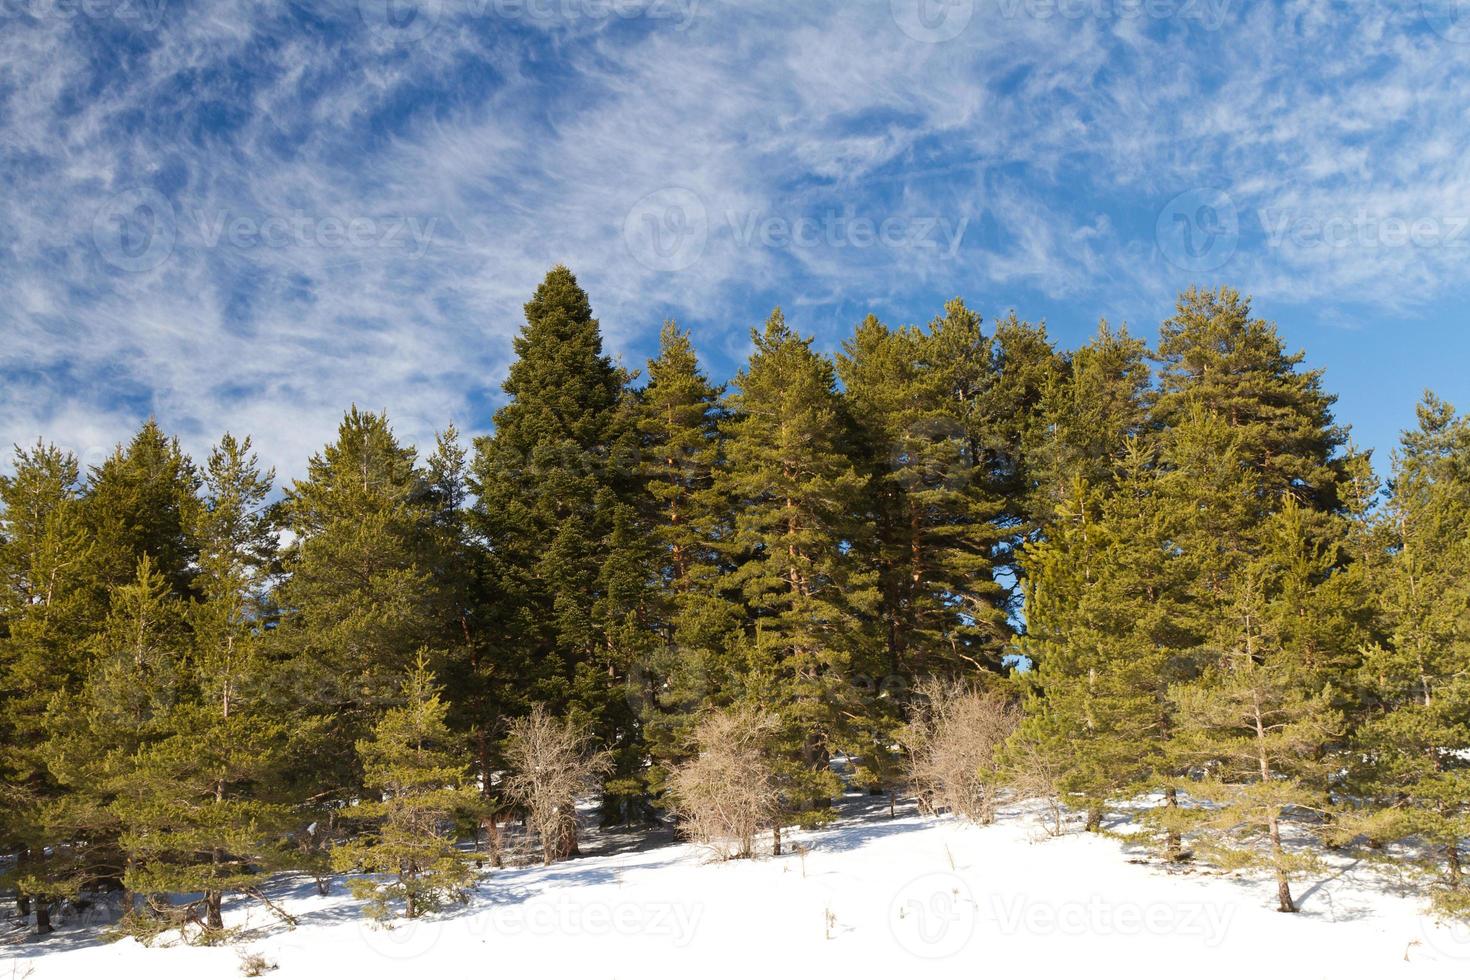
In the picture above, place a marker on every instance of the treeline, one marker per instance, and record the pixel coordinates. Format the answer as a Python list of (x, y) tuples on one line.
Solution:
[(1228, 626)]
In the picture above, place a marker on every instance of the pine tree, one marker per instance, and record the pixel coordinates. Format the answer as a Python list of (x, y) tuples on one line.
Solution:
[(679, 417), (799, 530), (458, 567), (1218, 357), (49, 603), (1009, 423), (199, 809), (1105, 608), (358, 601), (140, 501), (1089, 412), (1412, 748), (136, 679), (1254, 725), (943, 610), (408, 854)]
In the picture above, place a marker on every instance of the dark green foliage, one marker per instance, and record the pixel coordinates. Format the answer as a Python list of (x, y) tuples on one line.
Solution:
[(564, 572), (807, 652), (937, 517)]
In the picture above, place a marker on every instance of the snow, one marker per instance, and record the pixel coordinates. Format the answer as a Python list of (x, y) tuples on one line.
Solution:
[(871, 897)]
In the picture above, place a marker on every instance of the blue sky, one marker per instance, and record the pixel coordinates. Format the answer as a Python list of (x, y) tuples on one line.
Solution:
[(248, 215)]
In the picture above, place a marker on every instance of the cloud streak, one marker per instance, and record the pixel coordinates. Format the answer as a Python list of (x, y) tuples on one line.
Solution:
[(247, 216)]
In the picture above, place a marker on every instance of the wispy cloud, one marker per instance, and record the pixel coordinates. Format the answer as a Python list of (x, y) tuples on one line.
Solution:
[(248, 216)]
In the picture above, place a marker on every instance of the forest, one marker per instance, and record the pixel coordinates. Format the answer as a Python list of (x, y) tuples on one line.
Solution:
[(971, 565)]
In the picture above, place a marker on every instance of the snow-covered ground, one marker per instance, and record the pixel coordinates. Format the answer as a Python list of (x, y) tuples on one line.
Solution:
[(872, 897)]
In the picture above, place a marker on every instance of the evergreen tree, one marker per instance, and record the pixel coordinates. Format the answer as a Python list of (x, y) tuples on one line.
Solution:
[(944, 612), (408, 853), (136, 679), (197, 808), (49, 602), (1218, 357), (799, 531), (550, 482), (1089, 412), (358, 599), (1106, 596), (1009, 424), (679, 420), (1254, 724), (141, 501), (1412, 749)]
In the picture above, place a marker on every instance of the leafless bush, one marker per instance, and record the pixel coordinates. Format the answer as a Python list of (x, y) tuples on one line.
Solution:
[(1033, 773), (727, 793), (553, 761), (953, 743), (255, 965)]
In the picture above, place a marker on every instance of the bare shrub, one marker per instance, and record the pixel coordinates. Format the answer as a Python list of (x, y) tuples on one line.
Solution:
[(953, 743), (1033, 773), (554, 761), (255, 964), (728, 792)]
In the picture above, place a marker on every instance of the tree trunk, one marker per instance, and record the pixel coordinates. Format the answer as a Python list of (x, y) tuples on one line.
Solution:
[(775, 841), (1283, 887), (492, 839), (1174, 845), (23, 906), (43, 918), (1094, 819), (212, 917), (1452, 857)]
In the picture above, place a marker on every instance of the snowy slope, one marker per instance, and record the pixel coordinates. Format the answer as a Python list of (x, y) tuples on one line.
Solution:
[(878, 898)]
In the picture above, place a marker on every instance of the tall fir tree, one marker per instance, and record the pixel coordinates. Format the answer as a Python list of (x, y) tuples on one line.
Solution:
[(201, 810), (1254, 725), (1089, 413), (679, 418), (550, 482), (141, 501), (137, 676), (799, 532), (1217, 356)]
